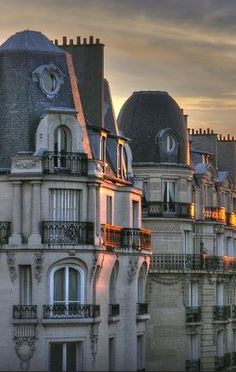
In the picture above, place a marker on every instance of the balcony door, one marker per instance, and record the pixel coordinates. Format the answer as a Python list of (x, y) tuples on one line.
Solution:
[(193, 294), (169, 196), (62, 145), (64, 205), (25, 281), (66, 356)]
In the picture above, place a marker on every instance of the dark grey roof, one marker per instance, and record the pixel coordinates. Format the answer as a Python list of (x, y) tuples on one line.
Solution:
[(144, 117), (30, 41)]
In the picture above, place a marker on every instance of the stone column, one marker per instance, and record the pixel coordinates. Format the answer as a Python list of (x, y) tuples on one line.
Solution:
[(16, 237), (35, 237)]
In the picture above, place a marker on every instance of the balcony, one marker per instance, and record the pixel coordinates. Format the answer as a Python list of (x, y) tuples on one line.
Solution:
[(4, 232), (164, 209), (193, 314), (72, 163), (192, 365), (222, 362), (215, 214), (67, 233), (192, 262), (24, 312), (128, 238), (231, 219), (221, 313), (72, 311)]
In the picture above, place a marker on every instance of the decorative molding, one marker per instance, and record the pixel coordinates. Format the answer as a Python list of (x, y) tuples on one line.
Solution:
[(165, 281), (38, 261), (25, 163), (11, 265), (219, 229), (25, 345), (94, 342), (132, 268)]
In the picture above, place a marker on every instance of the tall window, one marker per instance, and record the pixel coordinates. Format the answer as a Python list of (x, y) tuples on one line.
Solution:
[(119, 159), (193, 347), (193, 294), (109, 209), (135, 214), (220, 344), (67, 285), (25, 277), (62, 145), (103, 148), (64, 205), (220, 294), (219, 245), (66, 356), (188, 242), (169, 196), (140, 353), (141, 284), (112, 354), (113, 284), (229, 247)]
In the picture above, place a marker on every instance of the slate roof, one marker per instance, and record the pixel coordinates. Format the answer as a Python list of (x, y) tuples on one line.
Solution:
[(30, 41), (143, 116)]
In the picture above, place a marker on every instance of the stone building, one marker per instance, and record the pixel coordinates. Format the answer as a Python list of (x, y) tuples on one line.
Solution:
[(189, 203), (74, 257)]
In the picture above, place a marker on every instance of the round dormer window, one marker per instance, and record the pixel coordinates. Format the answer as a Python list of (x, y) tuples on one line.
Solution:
[(50, 79), (167, 141)]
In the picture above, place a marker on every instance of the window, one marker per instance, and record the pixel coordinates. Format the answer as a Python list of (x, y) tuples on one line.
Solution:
[(62, 145), (219, 245), (220, 344), (140, 356), (103, 149), (66, 357), (169, 196), (112, 354), (67, 285), (220, 294), (25, 278), (135, 214), (193, 347), (64, 205), (113, 283), (119, 160), (109, 210), (188, 243), (193, 294), (229, 247), (141, 284)]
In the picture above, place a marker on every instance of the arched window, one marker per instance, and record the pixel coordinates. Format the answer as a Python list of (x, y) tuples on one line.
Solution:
[(141, 284), (67, 285), (62, 145), (113, 283)]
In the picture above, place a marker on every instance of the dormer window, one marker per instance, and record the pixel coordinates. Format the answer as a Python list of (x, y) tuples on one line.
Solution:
[(62, 145), (103, 149), (120, 159)]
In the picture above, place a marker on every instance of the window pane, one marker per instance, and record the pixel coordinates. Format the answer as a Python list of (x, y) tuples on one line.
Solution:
[(73, 284), (59, 285), (25, 285), (56, 357), (71, 357)]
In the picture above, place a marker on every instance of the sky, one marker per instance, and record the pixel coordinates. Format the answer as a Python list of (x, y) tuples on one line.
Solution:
[(184, 47)]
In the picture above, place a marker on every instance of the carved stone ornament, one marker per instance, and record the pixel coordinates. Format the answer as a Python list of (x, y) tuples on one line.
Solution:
[(165, 281), (11, 265), (25, 164), (132, 268), (38, 268), (93, 342), (25, 347), (219, 229)]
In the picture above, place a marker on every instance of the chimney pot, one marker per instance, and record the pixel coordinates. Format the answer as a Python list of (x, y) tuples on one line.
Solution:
[(56, 42), (78, 40), (71, 42), (97, 41), (64, 40), (91, 39)]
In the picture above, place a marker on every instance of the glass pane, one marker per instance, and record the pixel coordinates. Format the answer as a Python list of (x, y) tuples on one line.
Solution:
[(71, 357), (59, 285), (73, 284), (56, 358)]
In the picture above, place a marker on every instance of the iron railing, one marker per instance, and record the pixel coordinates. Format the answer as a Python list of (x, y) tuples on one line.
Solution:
[(142, 308), (215, 214), (233, 313), (233, 358), (62, 311), (192, 262), (192, 365), (222, 362), (165, 209), (193, 314), (4, 232), (24, 311), (128, 238), (67, 232), (222, 313), (114, 309), (72, 163)]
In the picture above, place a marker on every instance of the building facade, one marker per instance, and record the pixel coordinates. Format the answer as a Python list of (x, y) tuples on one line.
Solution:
[(188, 181), (74, 257)]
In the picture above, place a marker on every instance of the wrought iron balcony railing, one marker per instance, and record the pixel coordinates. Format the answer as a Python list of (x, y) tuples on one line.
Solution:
[(231, 219), (24, 311), (164, 209), (142, 308), (114, 309), (193, 314), (192, 365), (136, 238), (215, 214), (68, 232), (222, 362), (222, 313), (4, 232), (129, 238), (233, 313), (233, 358), (71, 311), (72, 163), (192, 262)]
